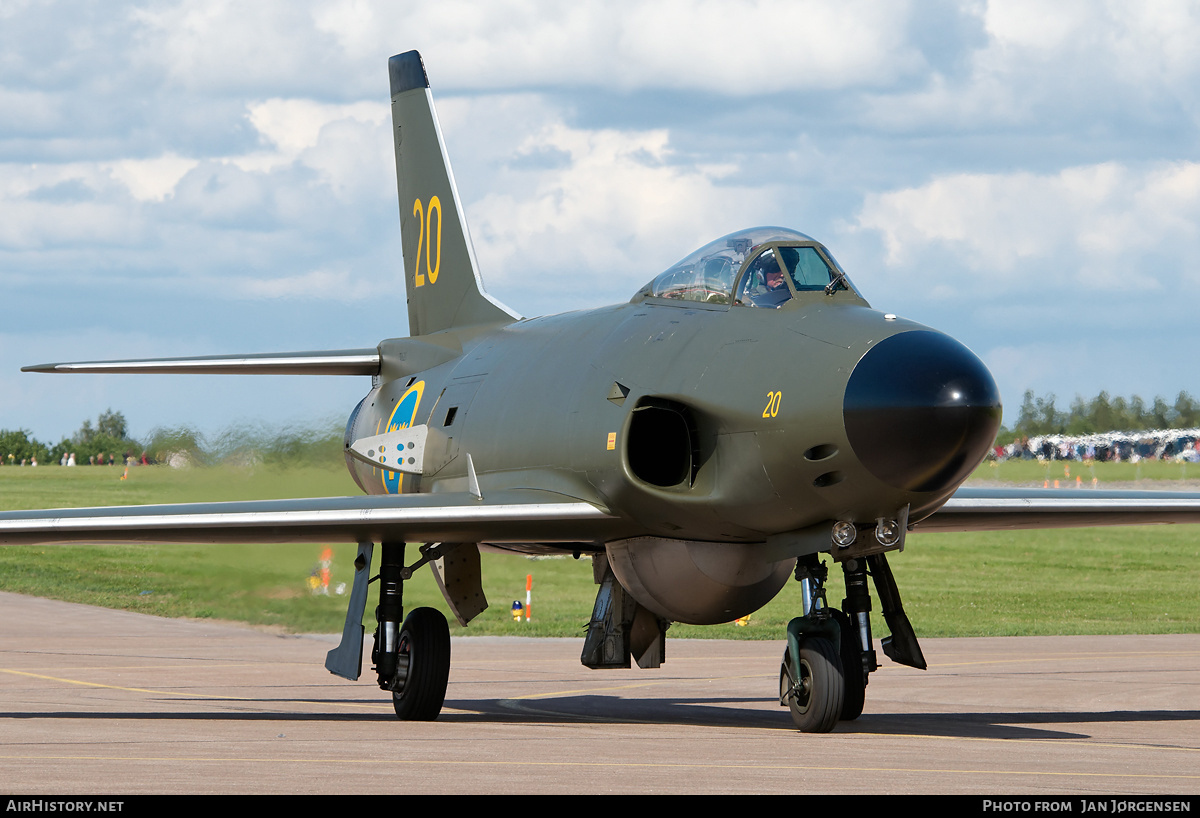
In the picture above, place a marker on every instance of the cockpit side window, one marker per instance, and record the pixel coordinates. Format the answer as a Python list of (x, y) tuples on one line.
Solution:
[(708, 279)]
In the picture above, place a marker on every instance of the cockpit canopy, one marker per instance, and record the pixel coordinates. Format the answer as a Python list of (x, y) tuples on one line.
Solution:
[(764, 266)]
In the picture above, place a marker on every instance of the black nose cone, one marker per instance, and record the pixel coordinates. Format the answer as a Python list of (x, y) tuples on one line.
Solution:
[(921, 411)]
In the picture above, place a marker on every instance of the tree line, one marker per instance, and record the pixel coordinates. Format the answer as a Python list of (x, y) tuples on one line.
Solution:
[(1103, 413), (109, 437)]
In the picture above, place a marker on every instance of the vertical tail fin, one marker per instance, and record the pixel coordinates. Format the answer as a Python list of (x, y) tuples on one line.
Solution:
[(440, 274)]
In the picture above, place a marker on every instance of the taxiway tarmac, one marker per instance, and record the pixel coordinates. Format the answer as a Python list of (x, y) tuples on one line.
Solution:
[(101, 701)]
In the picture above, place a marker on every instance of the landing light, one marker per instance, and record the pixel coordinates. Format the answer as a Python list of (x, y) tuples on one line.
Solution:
[(887, 532), (844, 534)]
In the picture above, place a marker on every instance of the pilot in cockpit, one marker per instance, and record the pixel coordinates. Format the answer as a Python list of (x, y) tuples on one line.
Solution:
[(764, 285)]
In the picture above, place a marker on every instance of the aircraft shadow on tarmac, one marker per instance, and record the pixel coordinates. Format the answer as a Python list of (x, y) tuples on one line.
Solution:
[(708, 712), (1004, 725), (668, 711), (201, 715)]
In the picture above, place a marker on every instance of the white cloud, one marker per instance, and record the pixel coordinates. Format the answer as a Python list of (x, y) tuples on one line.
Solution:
[(42, 226), (732, 48), (735, 48), (1044, 68), (1011, 23), (322, 285), (1090, 224), (152, 179), (311, 155), (29, 111), (1143, 40), (294, 125), (223, 46), (591, 213), (48, 205), (353, 23), (347, 145), (762, 47), (354, 157)]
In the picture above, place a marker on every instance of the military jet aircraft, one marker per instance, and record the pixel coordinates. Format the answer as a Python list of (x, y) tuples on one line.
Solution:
[(745, 413)]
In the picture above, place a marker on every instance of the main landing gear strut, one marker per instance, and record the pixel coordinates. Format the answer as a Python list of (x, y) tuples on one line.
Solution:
[(412, 658), (829, 653), (411, 655)]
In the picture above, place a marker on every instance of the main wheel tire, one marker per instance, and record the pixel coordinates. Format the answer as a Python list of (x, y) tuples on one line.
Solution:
[(815, 699), (425, 641), (852, 669)]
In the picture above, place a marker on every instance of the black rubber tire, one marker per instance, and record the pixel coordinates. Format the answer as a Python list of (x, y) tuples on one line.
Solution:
[(815, 708), (852, 670), (425, 638)]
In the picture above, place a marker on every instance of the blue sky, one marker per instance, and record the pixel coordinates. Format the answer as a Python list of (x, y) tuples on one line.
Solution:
[(190, 178)]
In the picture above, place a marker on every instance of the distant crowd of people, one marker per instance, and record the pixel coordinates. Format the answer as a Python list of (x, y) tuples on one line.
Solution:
[(68, 459), (1159, 444)]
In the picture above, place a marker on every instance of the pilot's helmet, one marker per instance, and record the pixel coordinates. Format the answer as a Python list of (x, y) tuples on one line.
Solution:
[(766, 269)]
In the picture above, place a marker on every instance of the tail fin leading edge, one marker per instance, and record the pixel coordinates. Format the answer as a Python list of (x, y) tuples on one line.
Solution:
[(440, 273)]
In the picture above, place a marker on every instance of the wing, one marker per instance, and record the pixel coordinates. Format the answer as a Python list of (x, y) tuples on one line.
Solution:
[(529, 516), (515, 516), (994, 509)]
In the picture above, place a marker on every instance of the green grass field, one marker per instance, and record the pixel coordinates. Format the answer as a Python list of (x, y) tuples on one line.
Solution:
[(1082, 581), (1071, 474)]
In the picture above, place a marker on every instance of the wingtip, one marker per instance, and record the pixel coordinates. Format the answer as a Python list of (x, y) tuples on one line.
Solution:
[(406, 72)]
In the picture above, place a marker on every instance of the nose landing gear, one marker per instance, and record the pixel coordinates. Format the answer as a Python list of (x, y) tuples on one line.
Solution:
[(830, 653), (812, 682)]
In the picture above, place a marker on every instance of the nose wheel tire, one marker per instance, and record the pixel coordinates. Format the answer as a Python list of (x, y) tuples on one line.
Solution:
[(815, 698), (423, 666)]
